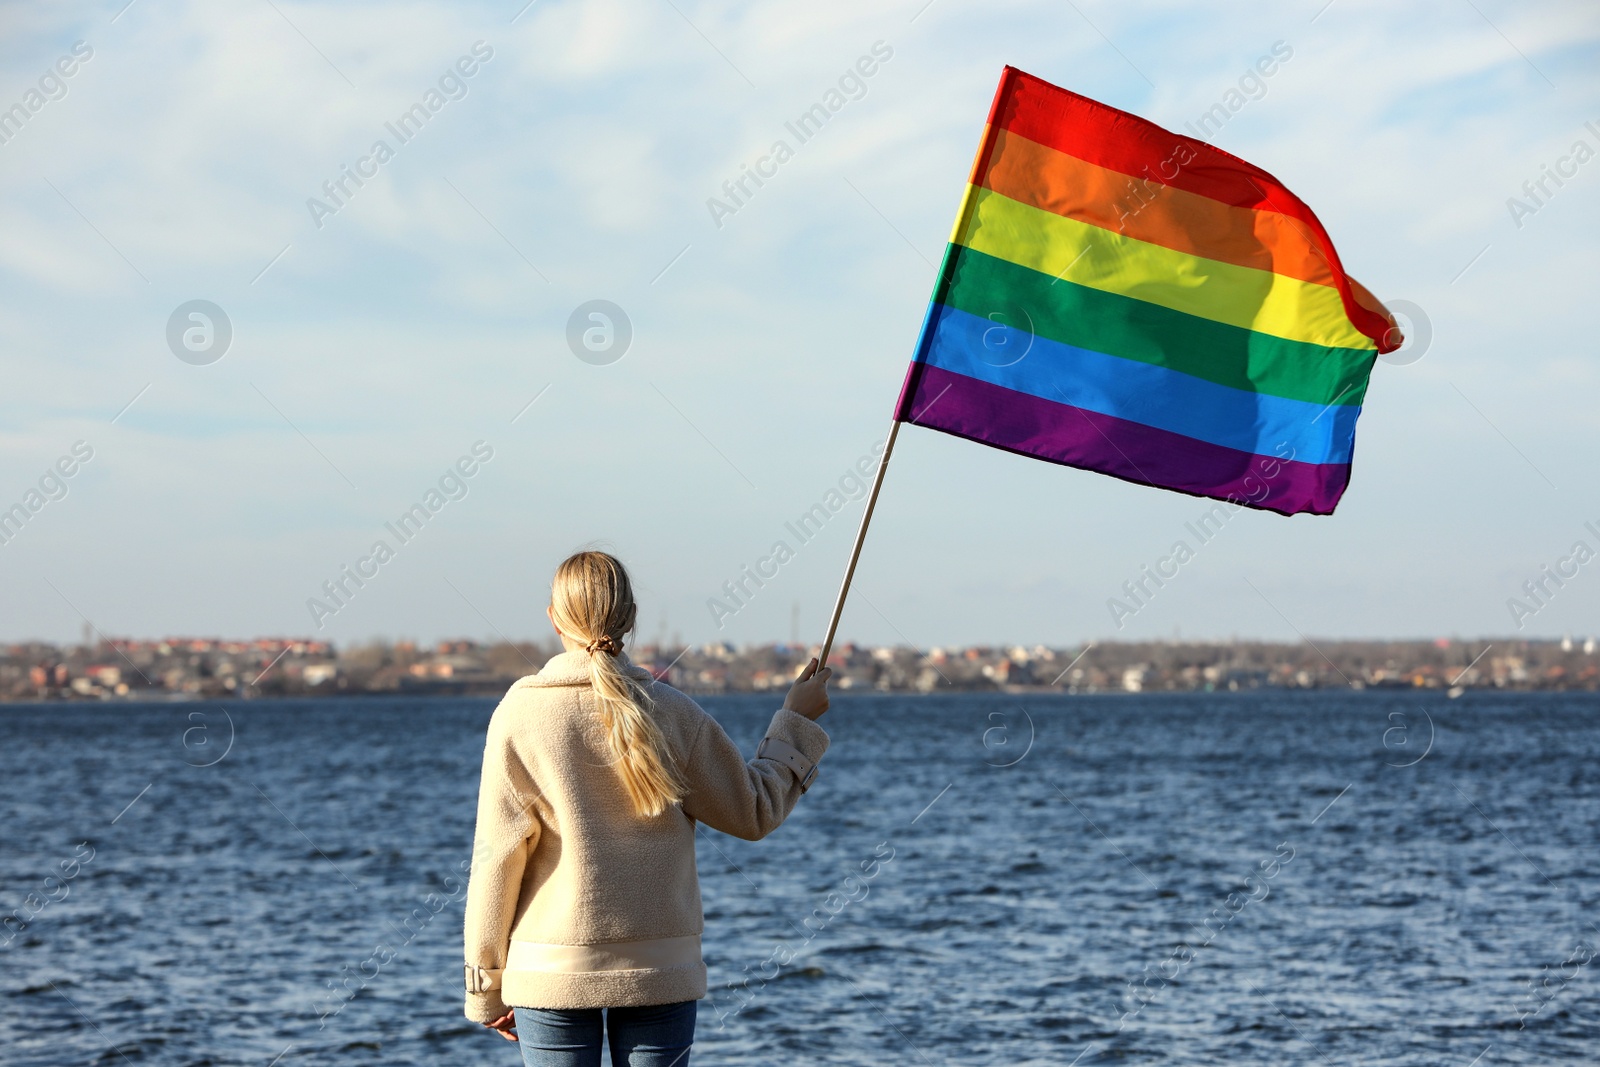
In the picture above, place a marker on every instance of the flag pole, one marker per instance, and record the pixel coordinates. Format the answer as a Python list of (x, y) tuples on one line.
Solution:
[(855, 551)]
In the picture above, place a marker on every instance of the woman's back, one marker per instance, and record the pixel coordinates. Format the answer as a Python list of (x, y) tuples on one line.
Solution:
[(598, 869), (562, 860)]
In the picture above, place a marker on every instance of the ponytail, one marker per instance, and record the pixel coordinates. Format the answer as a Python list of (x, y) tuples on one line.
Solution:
[(636, 742), (591, 598)]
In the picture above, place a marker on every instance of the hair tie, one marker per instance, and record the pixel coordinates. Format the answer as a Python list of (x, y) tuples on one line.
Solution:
[(604, 643)]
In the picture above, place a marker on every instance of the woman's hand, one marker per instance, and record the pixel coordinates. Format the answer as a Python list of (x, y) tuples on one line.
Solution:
[(505, 1026), (808, 695)]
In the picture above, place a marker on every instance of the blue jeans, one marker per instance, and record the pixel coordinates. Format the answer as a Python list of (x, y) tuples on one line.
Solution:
[(656, 1036)]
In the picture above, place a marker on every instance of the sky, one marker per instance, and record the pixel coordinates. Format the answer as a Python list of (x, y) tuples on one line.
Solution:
[(365, 346)]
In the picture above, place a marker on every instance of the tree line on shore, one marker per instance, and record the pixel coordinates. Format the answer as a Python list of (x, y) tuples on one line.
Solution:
[(214, 668)]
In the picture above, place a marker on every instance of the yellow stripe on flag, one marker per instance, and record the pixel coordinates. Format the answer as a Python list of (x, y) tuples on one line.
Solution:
[(1111, 262)]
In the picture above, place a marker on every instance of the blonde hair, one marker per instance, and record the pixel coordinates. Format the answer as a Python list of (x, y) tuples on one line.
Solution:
[(591, 600)]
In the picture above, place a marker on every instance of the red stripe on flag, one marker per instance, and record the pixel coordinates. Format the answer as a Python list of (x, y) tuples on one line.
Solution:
[(1116, 140)]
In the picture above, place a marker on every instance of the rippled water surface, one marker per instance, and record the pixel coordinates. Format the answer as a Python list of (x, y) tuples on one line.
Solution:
[(1243, 879)]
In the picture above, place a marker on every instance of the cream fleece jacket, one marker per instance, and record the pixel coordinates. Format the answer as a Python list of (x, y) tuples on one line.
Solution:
[(596, 906)]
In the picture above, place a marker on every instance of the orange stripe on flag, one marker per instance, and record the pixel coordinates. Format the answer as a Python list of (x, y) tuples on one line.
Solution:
[(1174, 218)]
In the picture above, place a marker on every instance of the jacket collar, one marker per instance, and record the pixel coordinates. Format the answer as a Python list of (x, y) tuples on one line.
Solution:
[(572, 668)]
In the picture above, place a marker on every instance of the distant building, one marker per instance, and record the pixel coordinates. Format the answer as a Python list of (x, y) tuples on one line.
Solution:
[(1133, 678)]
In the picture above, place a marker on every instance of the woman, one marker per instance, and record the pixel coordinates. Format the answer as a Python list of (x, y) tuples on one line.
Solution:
[(583, 909)]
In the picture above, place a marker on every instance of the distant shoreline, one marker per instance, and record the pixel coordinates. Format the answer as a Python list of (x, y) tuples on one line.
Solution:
[(489, 699), (192, 669)]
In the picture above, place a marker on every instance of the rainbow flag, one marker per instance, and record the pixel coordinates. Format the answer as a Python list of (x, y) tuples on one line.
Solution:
[(1127, 300)]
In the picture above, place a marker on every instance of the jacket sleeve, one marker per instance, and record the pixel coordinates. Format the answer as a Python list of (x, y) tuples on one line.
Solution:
[(748, 800), (507, 831)]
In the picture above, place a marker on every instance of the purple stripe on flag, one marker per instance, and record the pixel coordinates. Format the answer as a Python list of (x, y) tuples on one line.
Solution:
[(1061, 433)]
